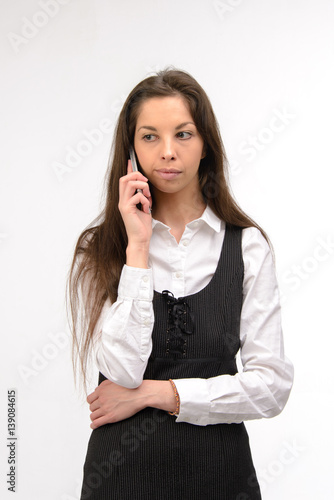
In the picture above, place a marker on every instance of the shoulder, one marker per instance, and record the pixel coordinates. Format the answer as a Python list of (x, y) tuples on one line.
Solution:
[(257, 252), (253, 236), (250, 236)]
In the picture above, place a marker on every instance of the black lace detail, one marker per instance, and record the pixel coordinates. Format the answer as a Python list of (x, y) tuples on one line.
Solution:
[(180, 324)]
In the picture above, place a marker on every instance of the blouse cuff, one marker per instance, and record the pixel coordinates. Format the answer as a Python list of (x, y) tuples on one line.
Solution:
[(194, 401), (135, 283)]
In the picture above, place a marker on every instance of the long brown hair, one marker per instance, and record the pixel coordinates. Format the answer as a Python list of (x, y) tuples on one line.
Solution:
[(100, 251)]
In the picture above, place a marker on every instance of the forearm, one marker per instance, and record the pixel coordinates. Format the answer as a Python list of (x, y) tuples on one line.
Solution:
[(124, 343), (137, 255), (235, 398), (111, 403), (158, 394)]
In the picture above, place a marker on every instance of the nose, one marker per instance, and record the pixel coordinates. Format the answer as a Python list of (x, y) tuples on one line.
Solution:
[(168, 151)]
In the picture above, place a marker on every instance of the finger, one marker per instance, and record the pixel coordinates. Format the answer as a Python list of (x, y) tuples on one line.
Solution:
[(101, 421), (129, 167), (92, 397), (146, 205), (95, 405), (131, 187), (133, 184), (97, 414), (131, 204), (129, 184), (131, 171), (146, 191), (105, 382)]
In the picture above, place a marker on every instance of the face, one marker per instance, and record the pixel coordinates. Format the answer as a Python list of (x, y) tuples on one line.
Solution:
[(168, 145)]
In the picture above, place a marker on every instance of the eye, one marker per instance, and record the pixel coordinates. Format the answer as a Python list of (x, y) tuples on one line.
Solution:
[(184, 135), (149, 137)]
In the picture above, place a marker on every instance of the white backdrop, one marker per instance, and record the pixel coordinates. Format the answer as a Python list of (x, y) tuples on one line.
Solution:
[(67, 65)]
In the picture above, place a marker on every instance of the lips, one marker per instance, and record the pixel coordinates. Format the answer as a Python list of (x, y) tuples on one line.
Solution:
[(168, 174)]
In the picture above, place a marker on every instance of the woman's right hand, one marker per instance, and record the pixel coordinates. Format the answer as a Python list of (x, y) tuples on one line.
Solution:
[(138, 223)]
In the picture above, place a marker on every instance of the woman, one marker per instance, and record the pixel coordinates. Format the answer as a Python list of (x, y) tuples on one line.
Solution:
[(175, 279)]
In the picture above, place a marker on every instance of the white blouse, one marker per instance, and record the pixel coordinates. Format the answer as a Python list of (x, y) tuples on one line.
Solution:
[(123, 340)]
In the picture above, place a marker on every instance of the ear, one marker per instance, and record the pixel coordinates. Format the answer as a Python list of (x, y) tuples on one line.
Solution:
[(203, 152)]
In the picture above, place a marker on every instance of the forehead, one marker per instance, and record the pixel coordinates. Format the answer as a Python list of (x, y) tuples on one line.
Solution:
[(162, 109)]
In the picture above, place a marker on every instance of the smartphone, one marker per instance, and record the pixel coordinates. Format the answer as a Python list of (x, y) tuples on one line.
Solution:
[(134, 169), (133, 159), (134, 163)]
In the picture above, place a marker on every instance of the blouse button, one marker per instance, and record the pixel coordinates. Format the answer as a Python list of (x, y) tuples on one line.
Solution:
[(178, 275), (185, 243), (145, 279)]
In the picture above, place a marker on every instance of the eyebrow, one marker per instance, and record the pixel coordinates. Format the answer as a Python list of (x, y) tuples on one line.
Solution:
[(148, 127)]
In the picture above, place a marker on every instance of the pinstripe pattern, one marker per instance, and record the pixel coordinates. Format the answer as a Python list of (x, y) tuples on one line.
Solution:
[(150, 456)]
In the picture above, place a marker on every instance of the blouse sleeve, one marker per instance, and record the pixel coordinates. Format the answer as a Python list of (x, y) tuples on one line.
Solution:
[(123, 343), (263, 387)]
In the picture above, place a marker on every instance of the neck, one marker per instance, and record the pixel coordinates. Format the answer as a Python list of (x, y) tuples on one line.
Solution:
[(176, 211)]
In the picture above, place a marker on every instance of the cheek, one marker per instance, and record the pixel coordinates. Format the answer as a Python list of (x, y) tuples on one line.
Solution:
[(140, 154), (198, 154), (144, 163), (146, 158), (142, 159)]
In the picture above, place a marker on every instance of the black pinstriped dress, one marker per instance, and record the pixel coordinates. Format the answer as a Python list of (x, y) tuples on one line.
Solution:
[(151, 457)]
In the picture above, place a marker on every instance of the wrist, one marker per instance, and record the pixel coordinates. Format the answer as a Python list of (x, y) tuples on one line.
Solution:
[(137, 255), (159, 394), (177, 398)]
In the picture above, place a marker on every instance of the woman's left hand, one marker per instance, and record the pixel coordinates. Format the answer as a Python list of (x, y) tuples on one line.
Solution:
[(110, 403)]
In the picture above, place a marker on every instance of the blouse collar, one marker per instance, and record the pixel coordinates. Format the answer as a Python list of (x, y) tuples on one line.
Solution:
[(208, 217)]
